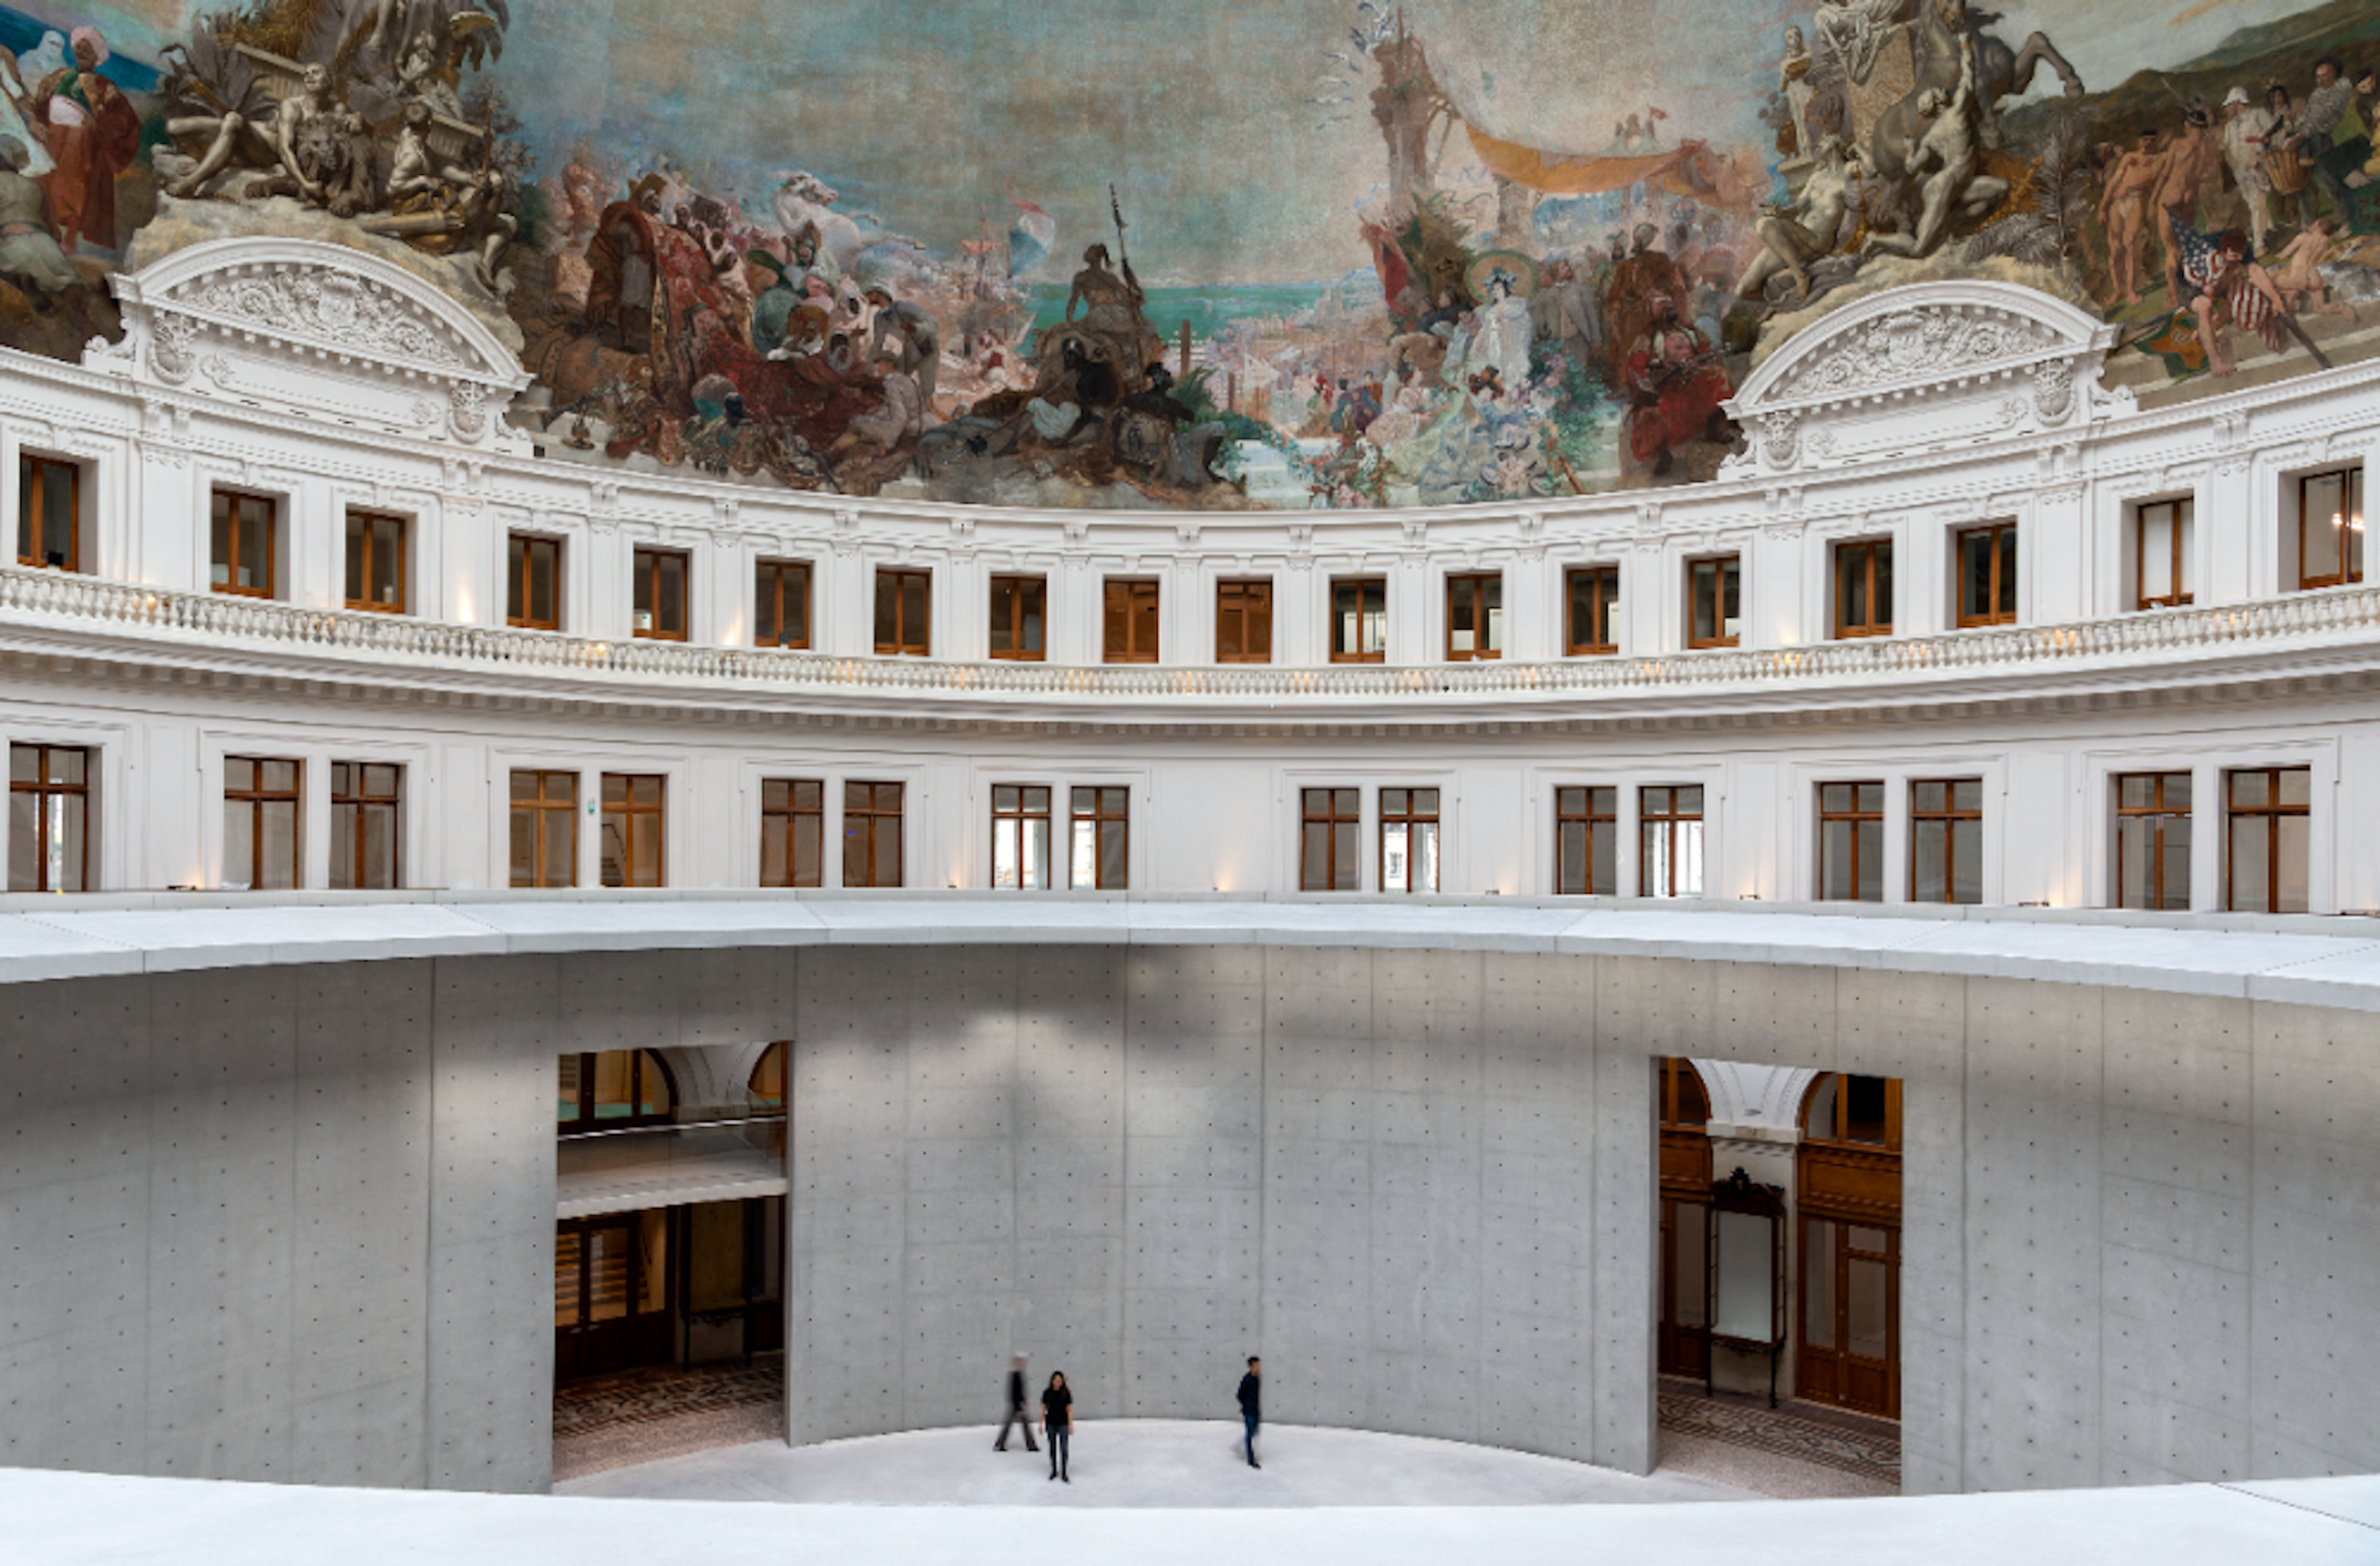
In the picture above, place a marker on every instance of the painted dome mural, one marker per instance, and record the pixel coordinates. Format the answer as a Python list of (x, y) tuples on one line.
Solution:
[(1223, 254)]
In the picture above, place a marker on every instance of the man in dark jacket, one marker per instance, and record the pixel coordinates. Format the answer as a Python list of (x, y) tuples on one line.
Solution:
[(1251, 1385), (1018, 1413)]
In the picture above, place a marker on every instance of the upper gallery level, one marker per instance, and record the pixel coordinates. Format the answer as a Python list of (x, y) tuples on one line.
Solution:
[(302, 457)]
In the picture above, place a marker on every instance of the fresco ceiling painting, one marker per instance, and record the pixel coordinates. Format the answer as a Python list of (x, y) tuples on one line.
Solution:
[(1219, 254)]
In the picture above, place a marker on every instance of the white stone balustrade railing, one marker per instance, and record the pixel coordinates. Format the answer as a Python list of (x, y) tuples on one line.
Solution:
[(61, 599)]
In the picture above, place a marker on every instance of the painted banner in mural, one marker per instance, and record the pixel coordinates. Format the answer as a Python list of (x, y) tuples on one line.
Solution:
[(1219, 254)]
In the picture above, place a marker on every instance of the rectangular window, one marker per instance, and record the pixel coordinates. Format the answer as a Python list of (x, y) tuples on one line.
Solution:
[(1715, 601), (871, 835), (630, 852), (242, 545), (1359, 620), (2153, 840), (367, 808), (260, 821), (49, 512), (1474, 617), (1409, 839), (1130, 622), (1851, 842), (1672, 831), (1586, 841), (545, 829), (1594, 610), (1020, 837), (1863, 589), (2161, 553), (1020, 617), (375, 562), (1987, 575), (2267, 848), (793, 831), (1330, 853), (2330, 528), (533, 583), (660, 595), (1945, 841), (1242, 622), (902, 599), (1102, 840), (49, 819), (781, 604)]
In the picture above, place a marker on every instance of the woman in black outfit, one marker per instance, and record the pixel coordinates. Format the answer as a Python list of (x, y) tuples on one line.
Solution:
[(1058, 1423)]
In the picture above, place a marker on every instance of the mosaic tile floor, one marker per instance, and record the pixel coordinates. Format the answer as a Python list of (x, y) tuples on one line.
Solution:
[(1794, 1453), (644, 1416)]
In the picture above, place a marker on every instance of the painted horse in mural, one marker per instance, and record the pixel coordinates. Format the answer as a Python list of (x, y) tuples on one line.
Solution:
[(1936, 28)]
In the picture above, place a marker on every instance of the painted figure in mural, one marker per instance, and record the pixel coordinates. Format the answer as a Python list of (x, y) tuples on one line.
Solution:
[(1504, 329), (2223, 284), (2296, 271), (1676, 383), (304, 117), (2314, 137), (2244, 125), (2192, 163), (1629, 307), (424, 75), (1097, 288), (17, 98), (1947, 160), (91, 131), (773, 306), (30, 256), (620, 260), (1854, 31), (898, 416), (2124, 214), (908, 333), (1816, 226)]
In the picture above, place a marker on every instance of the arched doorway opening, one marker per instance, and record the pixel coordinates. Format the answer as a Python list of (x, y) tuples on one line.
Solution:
[(1848, 1181), (1684, 1107)]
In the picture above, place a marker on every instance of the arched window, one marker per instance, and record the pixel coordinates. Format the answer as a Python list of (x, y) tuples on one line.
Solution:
[(1686, 1103), (1861, 1111), (1848, 1199), (614, 1089), (767, 1087)]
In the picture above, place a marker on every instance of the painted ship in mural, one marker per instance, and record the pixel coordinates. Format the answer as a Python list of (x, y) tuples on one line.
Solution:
[(838, 265)]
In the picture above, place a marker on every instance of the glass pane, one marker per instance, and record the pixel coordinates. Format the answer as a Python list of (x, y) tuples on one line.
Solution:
[(1694, 1103), (1869, 798), (1570, 801), (388, 560), (1394, 871), (1570, 859), (1082, 856), (607, 1270), (1706, 600), (1731, 594), (2326, 525), (1834, 798), (1834, 861), (1747, 1299), (343, 847), (2136, 792), (1975, 574), (886, 867), (2251, 865), (1691, 1227), (1346, 861), (1967, 868), (1818, 1284), (2006, 606), (671, 609), (888, 609), (255, 541), (614, 1093), (1851, 592), (2135, 861), (913, 611), (1114, 844), (810, 843), (1870, 844), (379, 847), (1029, 630), (359, 542), (545, 570), (2296, 785), (1259, 644), (25, 764), (2291, 857), (565, 1279), (219, 554), (1864, 1100), (645, 851), (25, 843), (2177, 863), (1868, 1332), (1036, 853), (279, 826), (2157, 552), (279, 777), (561, 831), (1689, 800), (1606, 846), (776, 843), (1005, 849), (1967, 794), (1313, 858), (524, 847), (652, 1085), (566, 1097), (1689, 867), (1884, 583), (1656, 802)]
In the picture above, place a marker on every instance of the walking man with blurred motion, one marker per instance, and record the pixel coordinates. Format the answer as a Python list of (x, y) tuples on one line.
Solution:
[(1251, 1410)]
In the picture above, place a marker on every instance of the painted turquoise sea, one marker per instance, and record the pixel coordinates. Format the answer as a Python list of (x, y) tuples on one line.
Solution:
[(1210, 310)]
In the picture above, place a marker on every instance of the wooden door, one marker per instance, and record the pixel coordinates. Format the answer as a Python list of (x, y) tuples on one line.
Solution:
[(1849, 1351), (1685, 1343), (609, 1294)]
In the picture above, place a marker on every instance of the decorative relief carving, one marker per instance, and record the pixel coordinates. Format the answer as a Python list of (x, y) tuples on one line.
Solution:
[(1925, 344), (2053, 389), (173, 346), (1780, 436), (337, 307)]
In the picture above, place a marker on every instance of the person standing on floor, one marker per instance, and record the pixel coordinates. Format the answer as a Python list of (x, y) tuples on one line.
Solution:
[(1018, 1413), (1251, 1406), (1058, 1423)]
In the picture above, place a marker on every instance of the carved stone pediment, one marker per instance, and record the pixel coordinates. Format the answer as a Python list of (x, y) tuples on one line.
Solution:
[(316, 329), (1929, 367)]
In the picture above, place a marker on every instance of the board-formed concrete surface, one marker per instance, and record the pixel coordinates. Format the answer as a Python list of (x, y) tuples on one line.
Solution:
[(293, 1221), (97, 1520)]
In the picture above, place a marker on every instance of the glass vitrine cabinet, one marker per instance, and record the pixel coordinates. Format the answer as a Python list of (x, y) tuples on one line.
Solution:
[(1746, 1274)]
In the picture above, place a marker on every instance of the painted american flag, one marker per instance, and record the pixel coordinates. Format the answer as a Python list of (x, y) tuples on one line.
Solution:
[(2208, 271)]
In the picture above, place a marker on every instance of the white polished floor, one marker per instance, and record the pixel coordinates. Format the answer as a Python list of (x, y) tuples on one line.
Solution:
[(1143, 1463)]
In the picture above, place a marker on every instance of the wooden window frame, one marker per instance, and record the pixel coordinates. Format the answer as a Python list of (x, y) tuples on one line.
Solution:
[(2351, 539), (1254, 599), (1877, 553), (1676, 1071), (769, 598), (1486, 617), (1132, 592), (1722, 566), (2272, 813), (256, 798), (782, 800), (230, 585), (1020, 585), (357, 796), (906, 641), (33, 475), (2158, 813), (531, 545), (2180, 518), (870, 818), (1588, 821), (537, 810), (1855, 815), (62, 796), (647, 563), (1951, 814), (1012, 821), (585, 1120), (1409, 813), (1993, 582), (1333, 824), (1603, 604), (634, 817), (1668, 822), (1892, 1129), (1100, 819), (363, 538), (1362, 587)]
